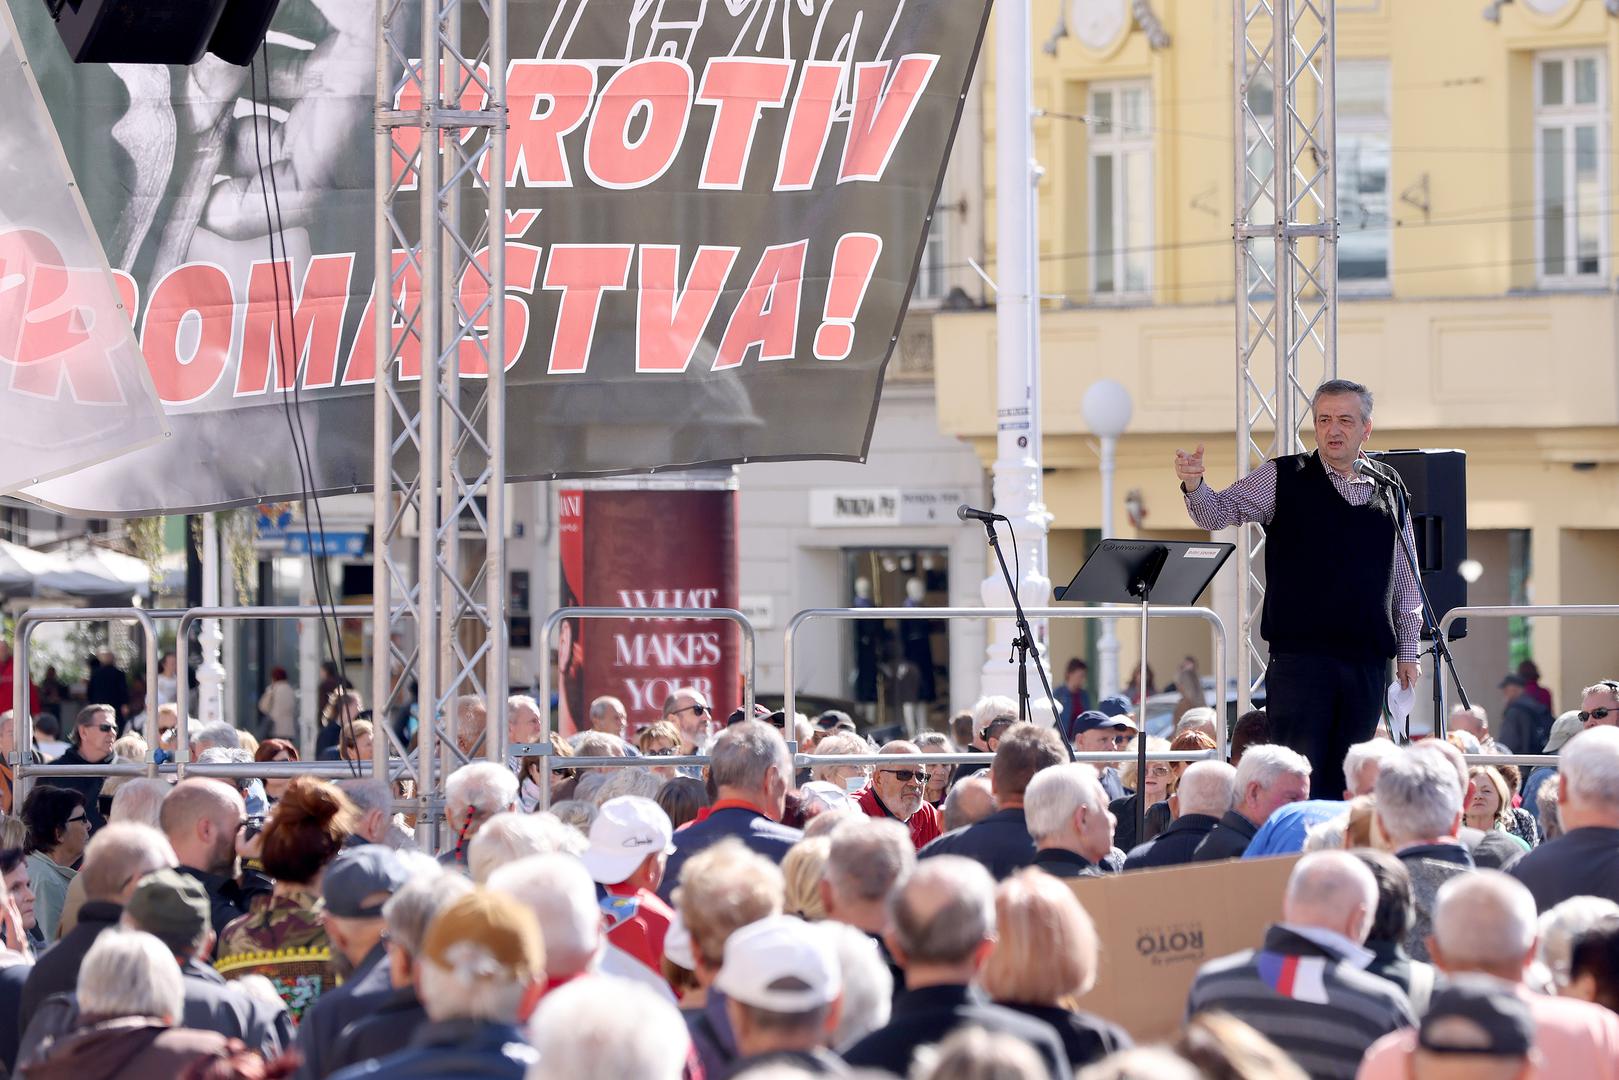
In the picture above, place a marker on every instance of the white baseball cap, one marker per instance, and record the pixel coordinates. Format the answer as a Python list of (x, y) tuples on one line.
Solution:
[(781, 964), (626, 830)]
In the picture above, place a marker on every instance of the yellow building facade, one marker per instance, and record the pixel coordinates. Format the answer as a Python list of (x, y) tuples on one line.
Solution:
[(1475, 158)]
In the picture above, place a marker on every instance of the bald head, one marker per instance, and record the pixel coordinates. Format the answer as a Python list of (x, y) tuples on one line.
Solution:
[(969, 801), (943, 916), (1485, 922), (1332, 890), (1206, 787), (200, 818)]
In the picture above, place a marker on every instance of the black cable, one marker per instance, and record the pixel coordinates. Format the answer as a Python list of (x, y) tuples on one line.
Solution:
[(292, 405)]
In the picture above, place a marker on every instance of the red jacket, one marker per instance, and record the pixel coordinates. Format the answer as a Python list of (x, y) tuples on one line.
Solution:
[(925, 824)]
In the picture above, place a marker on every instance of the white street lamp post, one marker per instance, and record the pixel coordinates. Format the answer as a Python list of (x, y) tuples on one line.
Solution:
[(1016, 472), (1107, 407)]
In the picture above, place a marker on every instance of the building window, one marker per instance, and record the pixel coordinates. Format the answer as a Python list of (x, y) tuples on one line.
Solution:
[(1363, 174), (931, 278), (14, 524), (1570, 168), (1121, 190)]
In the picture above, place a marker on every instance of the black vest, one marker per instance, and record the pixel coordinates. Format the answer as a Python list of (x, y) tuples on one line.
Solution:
[(1329, 568)]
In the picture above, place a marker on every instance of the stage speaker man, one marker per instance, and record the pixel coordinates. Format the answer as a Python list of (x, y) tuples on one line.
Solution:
[(1340, 598)]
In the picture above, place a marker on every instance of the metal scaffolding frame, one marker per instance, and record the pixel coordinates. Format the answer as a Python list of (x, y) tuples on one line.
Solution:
[(1285, 234), (440, 446)]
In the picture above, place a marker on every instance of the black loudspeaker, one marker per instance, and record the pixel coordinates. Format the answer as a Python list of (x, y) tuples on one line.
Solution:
[(161, 31), (1437, 480)]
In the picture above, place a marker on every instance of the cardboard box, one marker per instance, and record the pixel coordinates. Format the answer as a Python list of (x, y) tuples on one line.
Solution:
[(1157, 927)]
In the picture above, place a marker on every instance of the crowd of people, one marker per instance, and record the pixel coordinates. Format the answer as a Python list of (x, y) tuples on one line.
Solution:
[(772, 918)]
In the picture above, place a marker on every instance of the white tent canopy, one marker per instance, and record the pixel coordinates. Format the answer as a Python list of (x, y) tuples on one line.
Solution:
[(81, 570)]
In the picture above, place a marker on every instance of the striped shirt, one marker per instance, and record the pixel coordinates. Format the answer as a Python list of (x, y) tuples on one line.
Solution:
[(1253, 500), (1317, 1007)]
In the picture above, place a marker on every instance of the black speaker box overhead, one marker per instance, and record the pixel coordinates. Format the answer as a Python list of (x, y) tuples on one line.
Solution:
[(1437, 480), (161, 31)]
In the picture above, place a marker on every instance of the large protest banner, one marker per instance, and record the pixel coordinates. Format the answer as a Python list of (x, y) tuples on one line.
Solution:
[(716, 210), (73, 387)]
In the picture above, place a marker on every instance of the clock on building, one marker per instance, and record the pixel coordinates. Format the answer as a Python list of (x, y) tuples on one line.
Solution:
[(1098, 23)]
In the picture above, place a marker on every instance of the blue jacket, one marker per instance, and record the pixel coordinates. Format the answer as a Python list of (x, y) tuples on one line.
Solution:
[(1284, 831), (1001, 842), (769, 838), (453, 1050)]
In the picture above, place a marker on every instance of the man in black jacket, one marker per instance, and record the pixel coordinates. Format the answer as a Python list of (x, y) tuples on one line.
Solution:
[(1001, 842), (1201, 798), (942, 930), (201, 819), (1267, 778), (114, 863), (93, 734), (1325, 521), (355, 887)]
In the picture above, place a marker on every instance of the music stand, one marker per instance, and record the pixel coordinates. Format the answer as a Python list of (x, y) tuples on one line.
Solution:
[(1137, 572)]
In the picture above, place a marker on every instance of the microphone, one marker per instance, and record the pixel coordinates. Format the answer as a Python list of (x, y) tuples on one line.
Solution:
[(967, 513), (1364, 467)]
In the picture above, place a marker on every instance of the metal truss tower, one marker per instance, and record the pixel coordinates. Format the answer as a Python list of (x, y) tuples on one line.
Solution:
[(440, 439), (1286, 237)]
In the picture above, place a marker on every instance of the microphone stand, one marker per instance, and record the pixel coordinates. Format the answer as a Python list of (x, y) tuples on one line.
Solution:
[(1430, 622), (1022, 643)]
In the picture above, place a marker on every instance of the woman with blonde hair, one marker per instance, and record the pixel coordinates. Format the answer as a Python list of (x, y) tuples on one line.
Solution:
[(803, 867), (1491, 804), (1045, 960)]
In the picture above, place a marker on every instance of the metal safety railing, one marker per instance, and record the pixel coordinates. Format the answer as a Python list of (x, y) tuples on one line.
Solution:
[(1217, 630), (182, 697), (542, 749), (1511, 611), (23, 724)]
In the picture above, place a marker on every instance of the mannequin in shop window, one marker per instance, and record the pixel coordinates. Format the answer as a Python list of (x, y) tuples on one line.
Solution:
[(867, 638), (916, 647)]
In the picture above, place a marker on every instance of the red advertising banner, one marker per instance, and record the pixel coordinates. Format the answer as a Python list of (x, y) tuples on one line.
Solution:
[(648, 549)]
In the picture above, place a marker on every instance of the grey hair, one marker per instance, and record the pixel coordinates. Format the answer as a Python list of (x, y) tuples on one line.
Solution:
[(367, 793), (604, 1026), (1562, 925), (960, 910), (471, 718), (599, 707), (868, 985), (975, 1053), (218, 734), (598, 744), (558, 890), (1334, 387), (1589, 763), (140, 800), (1381, 751), (1265, 764), (482, 786), (224, 755), (838, 742), (642, 782), (510, 836), (409, 911), (869, 858), (1606, 686), (130, 973), (1057, 793), (1207, 787), (1418, 797), (577, 814), (1484, 918), (1196, 717), (522, 701), (744, 753), (935, 742), (989, 708)]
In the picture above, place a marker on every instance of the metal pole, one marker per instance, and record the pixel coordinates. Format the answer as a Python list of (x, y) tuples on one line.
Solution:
[(210, 673), (1107, 646), (497, 680), (429, 313), (1017, 474)]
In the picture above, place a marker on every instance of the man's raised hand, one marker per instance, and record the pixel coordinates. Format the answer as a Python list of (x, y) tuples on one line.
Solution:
[(1189, 467)]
